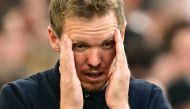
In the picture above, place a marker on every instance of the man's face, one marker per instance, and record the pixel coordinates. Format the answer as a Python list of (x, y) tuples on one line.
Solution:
[(93, 48)]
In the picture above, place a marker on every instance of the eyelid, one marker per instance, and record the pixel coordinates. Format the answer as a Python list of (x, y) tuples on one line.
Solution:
[(80, 47), (79, 42), (108, 44), (108, 41)]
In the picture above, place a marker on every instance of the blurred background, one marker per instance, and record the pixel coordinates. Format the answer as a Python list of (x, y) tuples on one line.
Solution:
[(157, 43), (24, 46)]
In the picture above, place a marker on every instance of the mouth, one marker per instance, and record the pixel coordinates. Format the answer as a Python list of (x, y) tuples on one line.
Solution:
[(93, 76)]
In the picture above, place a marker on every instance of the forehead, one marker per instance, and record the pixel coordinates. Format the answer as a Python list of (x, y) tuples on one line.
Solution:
[(98, 27)]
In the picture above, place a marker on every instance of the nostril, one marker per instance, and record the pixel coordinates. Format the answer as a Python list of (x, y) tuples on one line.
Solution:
[(94, 67)]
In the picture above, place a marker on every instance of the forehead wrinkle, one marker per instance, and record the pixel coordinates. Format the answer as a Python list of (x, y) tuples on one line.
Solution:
[(100, 33), (90, 37), (95, 24), (93, 30), (90, 28)]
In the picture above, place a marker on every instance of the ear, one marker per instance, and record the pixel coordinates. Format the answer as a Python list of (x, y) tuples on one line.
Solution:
[(123, 30), (53, 39)]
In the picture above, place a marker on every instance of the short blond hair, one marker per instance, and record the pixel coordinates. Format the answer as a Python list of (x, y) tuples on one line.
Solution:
[(60, 9)]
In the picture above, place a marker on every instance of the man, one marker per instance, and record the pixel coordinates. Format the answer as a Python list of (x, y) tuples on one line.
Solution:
[(92, 72)]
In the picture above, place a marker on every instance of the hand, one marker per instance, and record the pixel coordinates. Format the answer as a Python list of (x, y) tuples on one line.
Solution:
[(118, 85), (70, 86)]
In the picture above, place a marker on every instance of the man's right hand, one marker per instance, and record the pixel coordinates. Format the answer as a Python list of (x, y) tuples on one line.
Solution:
[(70, 86)]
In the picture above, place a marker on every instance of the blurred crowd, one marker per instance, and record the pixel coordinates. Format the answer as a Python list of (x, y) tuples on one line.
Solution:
[(24, 46), (157, 43)]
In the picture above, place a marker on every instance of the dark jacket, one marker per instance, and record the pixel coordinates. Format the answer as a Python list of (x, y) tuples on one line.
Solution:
[(42, 91)]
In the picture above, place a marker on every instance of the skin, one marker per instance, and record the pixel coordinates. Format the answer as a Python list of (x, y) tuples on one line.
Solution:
[(92, 47)]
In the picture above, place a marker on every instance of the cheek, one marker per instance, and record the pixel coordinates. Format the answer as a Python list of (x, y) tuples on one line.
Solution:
[(79, 59), (108, 57)]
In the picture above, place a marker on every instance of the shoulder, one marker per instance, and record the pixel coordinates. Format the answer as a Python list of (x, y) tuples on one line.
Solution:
[(142, 86), (147, 95), (20, 92), (28, 84), (142, 90)]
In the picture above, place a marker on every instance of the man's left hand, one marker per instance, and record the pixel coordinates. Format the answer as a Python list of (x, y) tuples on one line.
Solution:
[(118, 85)]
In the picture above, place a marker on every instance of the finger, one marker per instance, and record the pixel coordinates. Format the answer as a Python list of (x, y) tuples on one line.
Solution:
[(68, 52), (121, 62), (67, 56), (66, 48), (112, 66), (120, 52)]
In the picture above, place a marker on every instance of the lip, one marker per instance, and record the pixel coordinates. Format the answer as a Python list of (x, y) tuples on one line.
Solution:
[(93, 76)]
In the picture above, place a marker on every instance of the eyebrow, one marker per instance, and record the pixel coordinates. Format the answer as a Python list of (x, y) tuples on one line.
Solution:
[(107, 40), (86, 42)]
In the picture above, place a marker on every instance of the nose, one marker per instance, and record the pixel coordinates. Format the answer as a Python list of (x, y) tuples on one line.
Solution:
[(94, 58)]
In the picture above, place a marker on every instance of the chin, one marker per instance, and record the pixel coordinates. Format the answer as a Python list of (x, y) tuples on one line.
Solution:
[(93, 87)]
